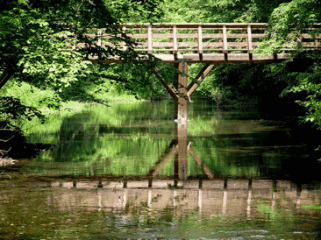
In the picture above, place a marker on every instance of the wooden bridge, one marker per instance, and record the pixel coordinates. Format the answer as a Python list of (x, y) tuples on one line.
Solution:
[(197, 42), (183, 43)]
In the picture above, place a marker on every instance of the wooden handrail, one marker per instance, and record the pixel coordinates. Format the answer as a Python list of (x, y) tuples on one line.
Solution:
[(182, 39)]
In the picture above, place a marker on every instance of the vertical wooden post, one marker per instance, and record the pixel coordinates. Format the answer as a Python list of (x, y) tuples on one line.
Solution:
[(150, 42), (181, 128), (175, 39), (249, 39), (224, 40), (181, 106), (200, 40)]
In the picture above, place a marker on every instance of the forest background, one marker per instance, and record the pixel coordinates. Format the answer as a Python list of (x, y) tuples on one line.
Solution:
[(38, 80)]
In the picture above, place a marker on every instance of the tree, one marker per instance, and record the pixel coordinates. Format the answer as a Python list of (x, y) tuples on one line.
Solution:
[(287, 24), (32, 38)]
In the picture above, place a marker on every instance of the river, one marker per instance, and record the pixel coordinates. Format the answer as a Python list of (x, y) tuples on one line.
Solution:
[(129, 171)]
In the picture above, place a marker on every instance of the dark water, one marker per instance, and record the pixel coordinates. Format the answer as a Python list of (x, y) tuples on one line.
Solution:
[(131, 172)]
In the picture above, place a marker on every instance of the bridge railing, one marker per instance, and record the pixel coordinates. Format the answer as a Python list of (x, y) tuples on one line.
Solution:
[(192, 38)]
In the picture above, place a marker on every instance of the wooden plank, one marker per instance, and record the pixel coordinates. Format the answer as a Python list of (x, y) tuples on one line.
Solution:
[(236, 35), (150, 41), (195, 25), (165, 35), (236, 44), (181, 44), (213, 44), (206, 57), (138, 35), (205, 35), (258, 58), (224, 39), (235, 57), (163, 44), (200, 40), (249, 38), (213, 35)]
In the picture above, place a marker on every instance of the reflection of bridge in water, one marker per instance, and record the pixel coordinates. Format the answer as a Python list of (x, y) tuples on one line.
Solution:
[(226, 197), (180, 148)]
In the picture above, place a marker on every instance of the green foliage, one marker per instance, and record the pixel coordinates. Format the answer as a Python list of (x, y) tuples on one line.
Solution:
[(286, 25), (32, 41), (293, 17), (135, 11), (219, 11)]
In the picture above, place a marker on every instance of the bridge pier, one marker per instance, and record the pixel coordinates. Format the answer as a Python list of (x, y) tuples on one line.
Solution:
[(181, 96)]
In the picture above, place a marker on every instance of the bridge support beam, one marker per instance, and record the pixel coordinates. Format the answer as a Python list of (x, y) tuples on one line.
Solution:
[(181, 104)]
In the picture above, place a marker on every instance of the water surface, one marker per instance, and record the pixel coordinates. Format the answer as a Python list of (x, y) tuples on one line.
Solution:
[(131, 172)]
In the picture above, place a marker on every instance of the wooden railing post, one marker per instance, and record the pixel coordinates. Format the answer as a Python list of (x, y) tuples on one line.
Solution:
[(150, 41), (175, 39), (224, 40), (249, 39), (200, 40), (123, 35)]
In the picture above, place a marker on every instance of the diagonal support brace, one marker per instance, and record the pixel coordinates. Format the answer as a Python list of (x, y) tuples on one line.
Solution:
[(200, 77), (170, 89)]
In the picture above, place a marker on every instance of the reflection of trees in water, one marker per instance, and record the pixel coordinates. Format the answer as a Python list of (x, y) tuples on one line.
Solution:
[(77, 139), (116, 143)]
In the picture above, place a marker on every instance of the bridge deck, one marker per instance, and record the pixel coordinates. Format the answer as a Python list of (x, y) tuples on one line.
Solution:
[(196, 42)]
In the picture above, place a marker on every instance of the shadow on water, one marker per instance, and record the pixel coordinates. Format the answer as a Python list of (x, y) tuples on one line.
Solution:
[(134, 173)]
